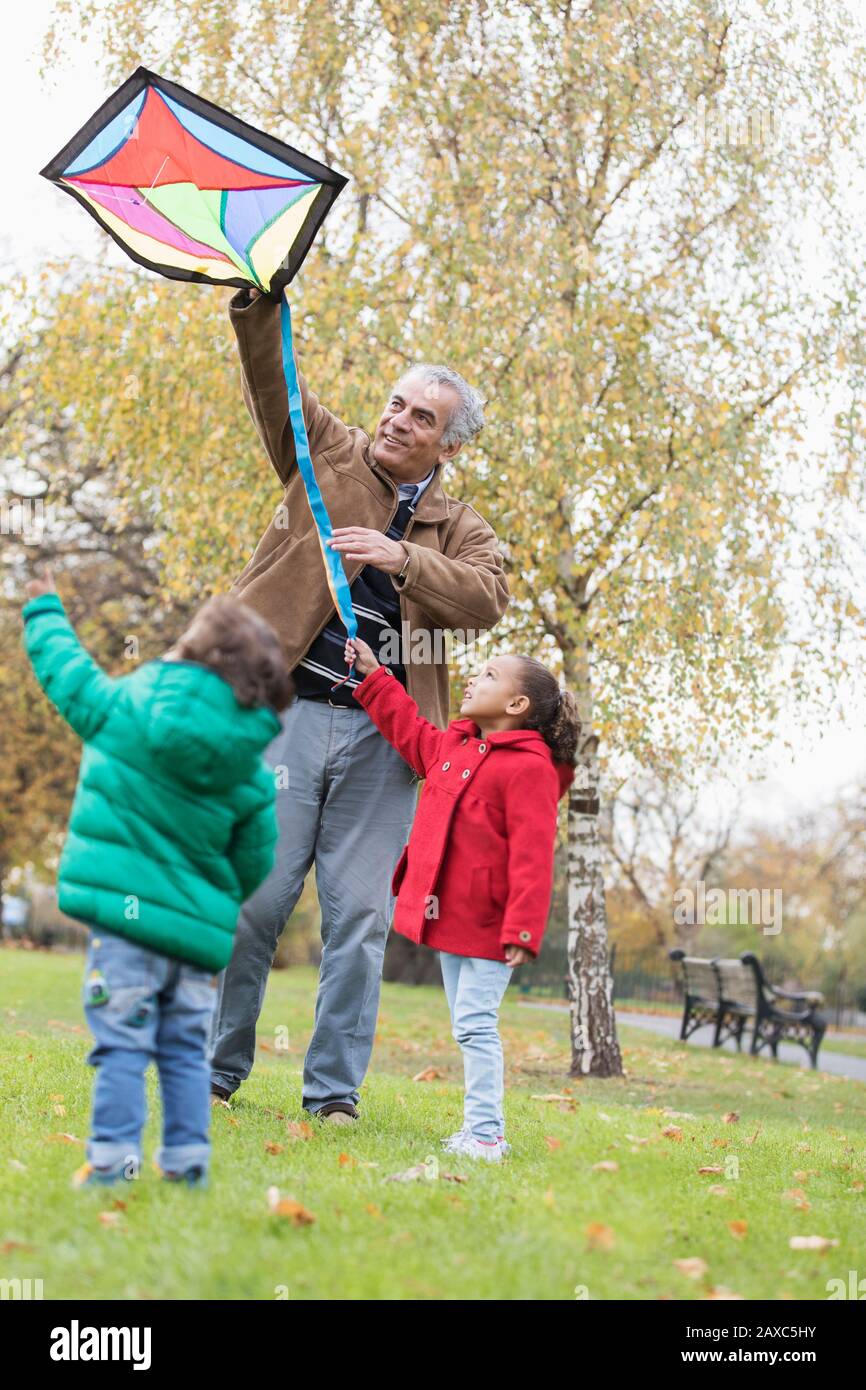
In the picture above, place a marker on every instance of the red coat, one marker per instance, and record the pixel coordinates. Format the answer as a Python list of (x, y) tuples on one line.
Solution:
[(477, 873)]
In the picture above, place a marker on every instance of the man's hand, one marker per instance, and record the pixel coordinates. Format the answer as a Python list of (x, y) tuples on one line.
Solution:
[(359, 654), (515, 955), (41, 584), (359, 543)]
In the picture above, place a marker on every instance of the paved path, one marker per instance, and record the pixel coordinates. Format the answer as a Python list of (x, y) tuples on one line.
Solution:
[(839, 1063)]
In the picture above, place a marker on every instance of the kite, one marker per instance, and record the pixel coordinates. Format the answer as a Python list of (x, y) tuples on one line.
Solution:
[(194, 193)]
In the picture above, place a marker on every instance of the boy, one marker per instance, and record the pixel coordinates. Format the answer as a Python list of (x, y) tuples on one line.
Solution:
[(173, 825)]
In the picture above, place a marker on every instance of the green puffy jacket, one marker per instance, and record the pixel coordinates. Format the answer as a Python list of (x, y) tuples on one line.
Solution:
[(174, 822)]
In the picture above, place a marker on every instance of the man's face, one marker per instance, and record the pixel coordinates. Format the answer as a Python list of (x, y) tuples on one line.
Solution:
[(407, 442), (494, 692)]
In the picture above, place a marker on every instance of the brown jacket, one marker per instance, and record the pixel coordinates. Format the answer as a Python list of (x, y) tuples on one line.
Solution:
[(454, 579)]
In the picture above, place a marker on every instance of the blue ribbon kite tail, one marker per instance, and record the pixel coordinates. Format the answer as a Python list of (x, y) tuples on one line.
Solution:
[(334, 572)]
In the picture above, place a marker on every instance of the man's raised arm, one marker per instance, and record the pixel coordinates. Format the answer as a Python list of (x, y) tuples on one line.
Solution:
[(256, 322)]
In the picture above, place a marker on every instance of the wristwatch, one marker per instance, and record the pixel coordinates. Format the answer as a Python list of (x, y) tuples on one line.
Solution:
[(405, 566)]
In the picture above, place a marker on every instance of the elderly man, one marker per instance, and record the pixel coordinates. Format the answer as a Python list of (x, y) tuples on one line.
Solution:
[(418, 561)]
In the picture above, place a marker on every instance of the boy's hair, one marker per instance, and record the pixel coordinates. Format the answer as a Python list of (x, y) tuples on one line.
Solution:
[(552, 711), (243, 648)]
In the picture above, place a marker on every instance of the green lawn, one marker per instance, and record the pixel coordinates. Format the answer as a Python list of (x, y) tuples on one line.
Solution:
[(544, 1222)]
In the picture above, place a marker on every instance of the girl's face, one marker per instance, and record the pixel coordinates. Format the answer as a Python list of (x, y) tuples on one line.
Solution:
[(494, 692)]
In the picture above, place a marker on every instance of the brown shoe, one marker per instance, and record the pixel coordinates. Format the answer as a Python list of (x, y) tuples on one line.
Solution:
[(338, 1112)]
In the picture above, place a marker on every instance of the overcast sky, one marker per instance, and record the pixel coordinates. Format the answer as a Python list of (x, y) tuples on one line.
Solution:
[(37, 221)]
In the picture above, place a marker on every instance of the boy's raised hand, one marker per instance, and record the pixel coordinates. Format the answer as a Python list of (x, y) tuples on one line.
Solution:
[(359, 654), (41, 584)]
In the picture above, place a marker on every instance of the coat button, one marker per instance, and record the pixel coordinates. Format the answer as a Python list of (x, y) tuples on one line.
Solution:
[(445, 767), (465, 772), (526, 936), (482, 748)]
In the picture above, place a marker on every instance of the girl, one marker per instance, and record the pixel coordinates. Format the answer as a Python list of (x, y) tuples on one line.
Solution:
[(475, 880)]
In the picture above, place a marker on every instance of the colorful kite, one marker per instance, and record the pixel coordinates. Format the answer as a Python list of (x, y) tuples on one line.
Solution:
[(192, 192)]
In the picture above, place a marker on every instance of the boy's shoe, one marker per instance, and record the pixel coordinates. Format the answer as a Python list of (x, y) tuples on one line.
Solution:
[(491, 1150), (89, 1176), (195, 1176)]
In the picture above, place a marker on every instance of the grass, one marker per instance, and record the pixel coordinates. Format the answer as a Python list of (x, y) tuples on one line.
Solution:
[(543, 1223)]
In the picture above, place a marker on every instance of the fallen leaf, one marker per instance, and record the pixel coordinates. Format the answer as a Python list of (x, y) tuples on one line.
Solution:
[(299, 1129), (673, 1132), (552, 1143), (738, 1229), (731, 1118), (272, 1147), (717, 1189), (722, 1294), (607, 1165), (288, 1208), (373, 1210), (692, 1268), (414, 1174), (429, 1074), (62, 1139), (712, 1168), (9, 1245), (811, 1243), (109, 1218), (600, 1237), (347, 1161)]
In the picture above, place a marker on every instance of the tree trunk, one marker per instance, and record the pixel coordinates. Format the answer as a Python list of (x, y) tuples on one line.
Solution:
[(594, 1044)]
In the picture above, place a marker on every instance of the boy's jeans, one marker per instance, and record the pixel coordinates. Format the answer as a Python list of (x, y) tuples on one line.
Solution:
[(143, 1007), (474, 989)]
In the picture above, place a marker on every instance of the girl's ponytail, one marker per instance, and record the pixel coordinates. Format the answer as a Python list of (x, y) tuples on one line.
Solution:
[(553, 712)]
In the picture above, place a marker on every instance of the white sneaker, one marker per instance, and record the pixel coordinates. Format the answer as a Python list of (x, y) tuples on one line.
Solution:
[(492, 1150), (451, 1144)]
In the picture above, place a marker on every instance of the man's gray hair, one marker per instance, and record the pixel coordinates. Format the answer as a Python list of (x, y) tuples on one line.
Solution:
[(467, 418)]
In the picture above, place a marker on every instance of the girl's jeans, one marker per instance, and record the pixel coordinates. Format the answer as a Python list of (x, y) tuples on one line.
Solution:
[(474, 989), (143, 1007)]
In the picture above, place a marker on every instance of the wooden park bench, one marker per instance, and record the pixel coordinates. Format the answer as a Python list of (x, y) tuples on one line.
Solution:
[(729, 994)]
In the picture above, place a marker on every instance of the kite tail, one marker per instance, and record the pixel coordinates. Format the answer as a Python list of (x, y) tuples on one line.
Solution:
[(334, 572)]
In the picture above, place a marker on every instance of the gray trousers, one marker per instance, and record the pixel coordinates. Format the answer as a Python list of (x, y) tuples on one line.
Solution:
[(345, 802)]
